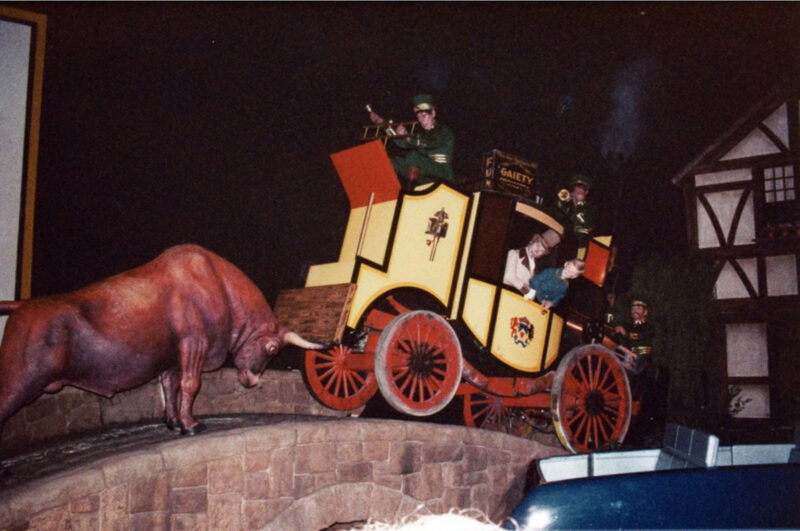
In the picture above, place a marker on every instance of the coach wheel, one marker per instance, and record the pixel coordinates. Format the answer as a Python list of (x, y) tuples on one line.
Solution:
[(334, 383), (418, 363), (591, 400), (487, 412)]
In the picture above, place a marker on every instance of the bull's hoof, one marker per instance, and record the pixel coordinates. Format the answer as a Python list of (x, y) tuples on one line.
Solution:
[(172, 424), (194, 430)]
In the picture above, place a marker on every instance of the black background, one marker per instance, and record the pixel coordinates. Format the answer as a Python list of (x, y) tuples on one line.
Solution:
[(165, 123)]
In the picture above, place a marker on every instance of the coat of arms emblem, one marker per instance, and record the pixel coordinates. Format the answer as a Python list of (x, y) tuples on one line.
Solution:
[(521, 331)]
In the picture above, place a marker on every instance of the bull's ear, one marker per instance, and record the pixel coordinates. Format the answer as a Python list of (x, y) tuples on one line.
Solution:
[(271, 348)]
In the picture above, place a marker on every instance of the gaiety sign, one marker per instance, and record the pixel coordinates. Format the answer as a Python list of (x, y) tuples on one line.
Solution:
[(509, 173)]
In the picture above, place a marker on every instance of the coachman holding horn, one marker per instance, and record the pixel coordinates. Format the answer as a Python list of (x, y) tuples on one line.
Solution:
[(576, 212), (427, 155)]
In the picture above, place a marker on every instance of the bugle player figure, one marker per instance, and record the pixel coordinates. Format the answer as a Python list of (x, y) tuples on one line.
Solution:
[(428, 153)]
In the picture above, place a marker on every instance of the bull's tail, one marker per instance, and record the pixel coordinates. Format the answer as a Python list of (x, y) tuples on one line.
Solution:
[(8, 307)]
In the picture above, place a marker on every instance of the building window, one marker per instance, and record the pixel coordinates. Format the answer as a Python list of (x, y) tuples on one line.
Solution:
[(748, 370), (779, 184), (747, 350)]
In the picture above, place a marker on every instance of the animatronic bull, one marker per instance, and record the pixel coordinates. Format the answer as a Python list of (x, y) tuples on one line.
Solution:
[(176, 316)]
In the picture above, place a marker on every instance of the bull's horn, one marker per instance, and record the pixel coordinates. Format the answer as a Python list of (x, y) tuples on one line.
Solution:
[(295, 339)]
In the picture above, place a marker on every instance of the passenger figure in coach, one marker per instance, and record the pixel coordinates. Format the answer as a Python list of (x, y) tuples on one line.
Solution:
[(521, 263)]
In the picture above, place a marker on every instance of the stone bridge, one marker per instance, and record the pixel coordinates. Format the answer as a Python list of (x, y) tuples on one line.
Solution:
[(296, 472)]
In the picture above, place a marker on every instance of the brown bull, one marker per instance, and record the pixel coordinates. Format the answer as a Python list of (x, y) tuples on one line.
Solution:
[(177, 316)]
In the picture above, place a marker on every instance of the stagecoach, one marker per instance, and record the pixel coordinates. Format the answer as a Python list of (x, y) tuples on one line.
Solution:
[(415, 308)]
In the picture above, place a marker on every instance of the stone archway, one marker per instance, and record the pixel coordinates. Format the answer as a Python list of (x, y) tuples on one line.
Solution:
[(348, 503)]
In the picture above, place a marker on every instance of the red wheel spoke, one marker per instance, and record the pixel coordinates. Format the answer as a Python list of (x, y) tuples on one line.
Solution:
[(358, 377), (421, 388), (483, 411), (325, 356), (603, 382), (582, 378), (400, 372), (351, 378), (328, 373), (432, 385), (328, 383), (406, 379)]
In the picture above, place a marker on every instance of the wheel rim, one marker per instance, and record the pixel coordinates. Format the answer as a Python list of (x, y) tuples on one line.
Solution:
[(418, 363), (333, 383), (591, 400)]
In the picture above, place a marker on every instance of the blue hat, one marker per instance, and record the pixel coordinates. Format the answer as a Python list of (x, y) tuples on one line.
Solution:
[(423, 102)]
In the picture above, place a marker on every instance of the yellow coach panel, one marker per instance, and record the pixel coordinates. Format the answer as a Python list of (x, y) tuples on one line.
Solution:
[(477, 313), (376, 235), (424, 251), (373, 238), (520, 333)]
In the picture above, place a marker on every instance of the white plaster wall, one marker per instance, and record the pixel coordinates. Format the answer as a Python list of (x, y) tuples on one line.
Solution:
[(754, 144), (723, 204), (15, 42), (747, 350), (730, 286), (778, 123), (781, 275), (719, 177)]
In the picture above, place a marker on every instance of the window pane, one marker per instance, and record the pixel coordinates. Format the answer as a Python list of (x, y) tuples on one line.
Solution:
[(770, 197), (790, 195), (789, 170), (779, 196), (751, 401), (779, 172), (779, 184), (747, 349), (789, 182), (768, 173), (769, 185), (781, 275)]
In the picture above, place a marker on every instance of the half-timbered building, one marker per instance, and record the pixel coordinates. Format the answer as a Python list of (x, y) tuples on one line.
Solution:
[(742, 211)]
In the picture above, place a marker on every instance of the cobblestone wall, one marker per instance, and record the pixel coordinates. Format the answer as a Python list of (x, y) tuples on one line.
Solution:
[(299, 476), (72, 411)]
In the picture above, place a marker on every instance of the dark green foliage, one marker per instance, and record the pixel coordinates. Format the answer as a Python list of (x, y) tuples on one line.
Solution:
[(679, 292)]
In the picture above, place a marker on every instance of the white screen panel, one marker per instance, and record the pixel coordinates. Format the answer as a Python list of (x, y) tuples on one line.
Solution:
[(15, 42)]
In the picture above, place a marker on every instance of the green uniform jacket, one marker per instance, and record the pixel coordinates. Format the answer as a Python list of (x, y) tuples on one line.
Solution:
[(640, 338), (582, 217), (431, 151)]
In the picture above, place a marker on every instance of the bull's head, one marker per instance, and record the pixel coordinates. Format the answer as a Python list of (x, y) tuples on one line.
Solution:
[(263, 344)]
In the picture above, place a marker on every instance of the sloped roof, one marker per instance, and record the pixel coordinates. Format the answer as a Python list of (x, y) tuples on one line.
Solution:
[(741, 127)]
